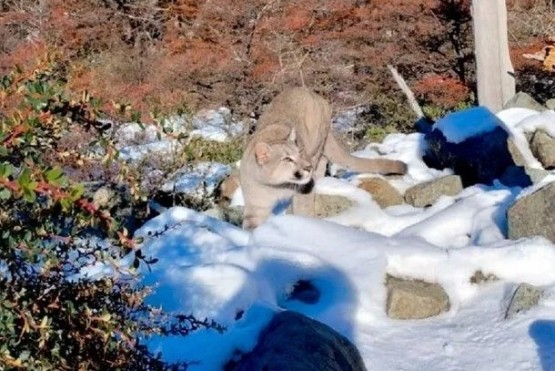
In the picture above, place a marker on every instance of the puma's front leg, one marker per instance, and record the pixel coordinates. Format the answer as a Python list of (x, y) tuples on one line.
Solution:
[(304, 202), (254, 215), (260, 204)]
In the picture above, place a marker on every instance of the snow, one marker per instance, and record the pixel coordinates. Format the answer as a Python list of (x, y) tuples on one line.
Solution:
[(136, 142), (240, 279), (197, 180), (216, 125)]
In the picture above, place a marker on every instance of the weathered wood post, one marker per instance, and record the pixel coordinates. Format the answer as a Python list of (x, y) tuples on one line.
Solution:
[(496, 84)]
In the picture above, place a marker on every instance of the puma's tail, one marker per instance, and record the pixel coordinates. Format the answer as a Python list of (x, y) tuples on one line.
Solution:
[(336, 153)]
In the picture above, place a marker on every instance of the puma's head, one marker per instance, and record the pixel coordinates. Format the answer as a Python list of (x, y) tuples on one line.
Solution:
[(282, 163)]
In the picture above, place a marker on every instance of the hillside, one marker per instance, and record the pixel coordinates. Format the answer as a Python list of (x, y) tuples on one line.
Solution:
[(181, 55)]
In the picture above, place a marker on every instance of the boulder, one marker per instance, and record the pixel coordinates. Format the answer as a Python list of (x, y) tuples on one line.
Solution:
[(523, 100), (382, 192), (414, 299), (533, 214), (523, 298), (425, 194), (518, 157), (543, 148), (473, 143), (294, 342)]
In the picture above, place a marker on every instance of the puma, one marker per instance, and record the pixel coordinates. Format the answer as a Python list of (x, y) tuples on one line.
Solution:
[(289, 149)]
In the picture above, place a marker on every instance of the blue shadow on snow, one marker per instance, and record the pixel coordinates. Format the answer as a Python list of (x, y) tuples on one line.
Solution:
[(543, 333)]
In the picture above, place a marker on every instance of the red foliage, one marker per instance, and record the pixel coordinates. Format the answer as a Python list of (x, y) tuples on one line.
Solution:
[(166, 52), (443, 91)]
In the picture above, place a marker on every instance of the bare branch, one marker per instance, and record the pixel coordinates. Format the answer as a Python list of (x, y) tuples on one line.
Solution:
[(406, 90)]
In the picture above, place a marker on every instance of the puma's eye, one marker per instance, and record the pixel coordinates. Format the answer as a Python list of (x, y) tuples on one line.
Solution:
[(289, 159)]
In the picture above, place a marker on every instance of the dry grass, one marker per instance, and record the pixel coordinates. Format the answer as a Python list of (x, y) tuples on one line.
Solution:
[(530, 20)]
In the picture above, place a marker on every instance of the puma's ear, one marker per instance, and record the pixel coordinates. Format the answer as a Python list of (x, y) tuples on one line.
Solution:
[(292, 135), (262, 153)]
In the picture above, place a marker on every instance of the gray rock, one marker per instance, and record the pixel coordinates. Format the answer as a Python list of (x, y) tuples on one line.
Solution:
[(521, 175), (382, 192), (414, 299), (523, 298), (133, 133), (550, 104), (543, 148), (202, 178), (214, 212), (331, 205), (161, 150), (481, 158), (523, 100), (536, 175), (518, 158), (425, 194), (323, 206), (533, 214), (294, 342), (479, 278), (217, 125), (229, 214)]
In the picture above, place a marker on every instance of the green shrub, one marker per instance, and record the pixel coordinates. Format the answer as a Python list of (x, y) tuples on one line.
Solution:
[(198, 149), (51, 316)]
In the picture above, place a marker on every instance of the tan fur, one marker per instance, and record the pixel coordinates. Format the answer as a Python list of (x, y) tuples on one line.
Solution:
[(289, 149)]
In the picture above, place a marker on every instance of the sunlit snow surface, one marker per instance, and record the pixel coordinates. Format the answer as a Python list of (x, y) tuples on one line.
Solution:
[(240, 279)]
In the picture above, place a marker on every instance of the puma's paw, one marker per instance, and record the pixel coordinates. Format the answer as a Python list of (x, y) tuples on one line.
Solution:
[(250, 223), (399, 167)]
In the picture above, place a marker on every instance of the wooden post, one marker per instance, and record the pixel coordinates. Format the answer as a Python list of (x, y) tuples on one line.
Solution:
[(496, 84)]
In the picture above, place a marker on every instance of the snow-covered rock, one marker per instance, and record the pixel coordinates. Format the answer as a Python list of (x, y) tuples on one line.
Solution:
[(217, 125), (473, 143), (199, 180)]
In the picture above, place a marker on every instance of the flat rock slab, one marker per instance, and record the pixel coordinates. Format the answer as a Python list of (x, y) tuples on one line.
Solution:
[(524, 297), (425, 194), (533, 214), (294, 342), (414, 299), (331, 205), (382, 192)]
